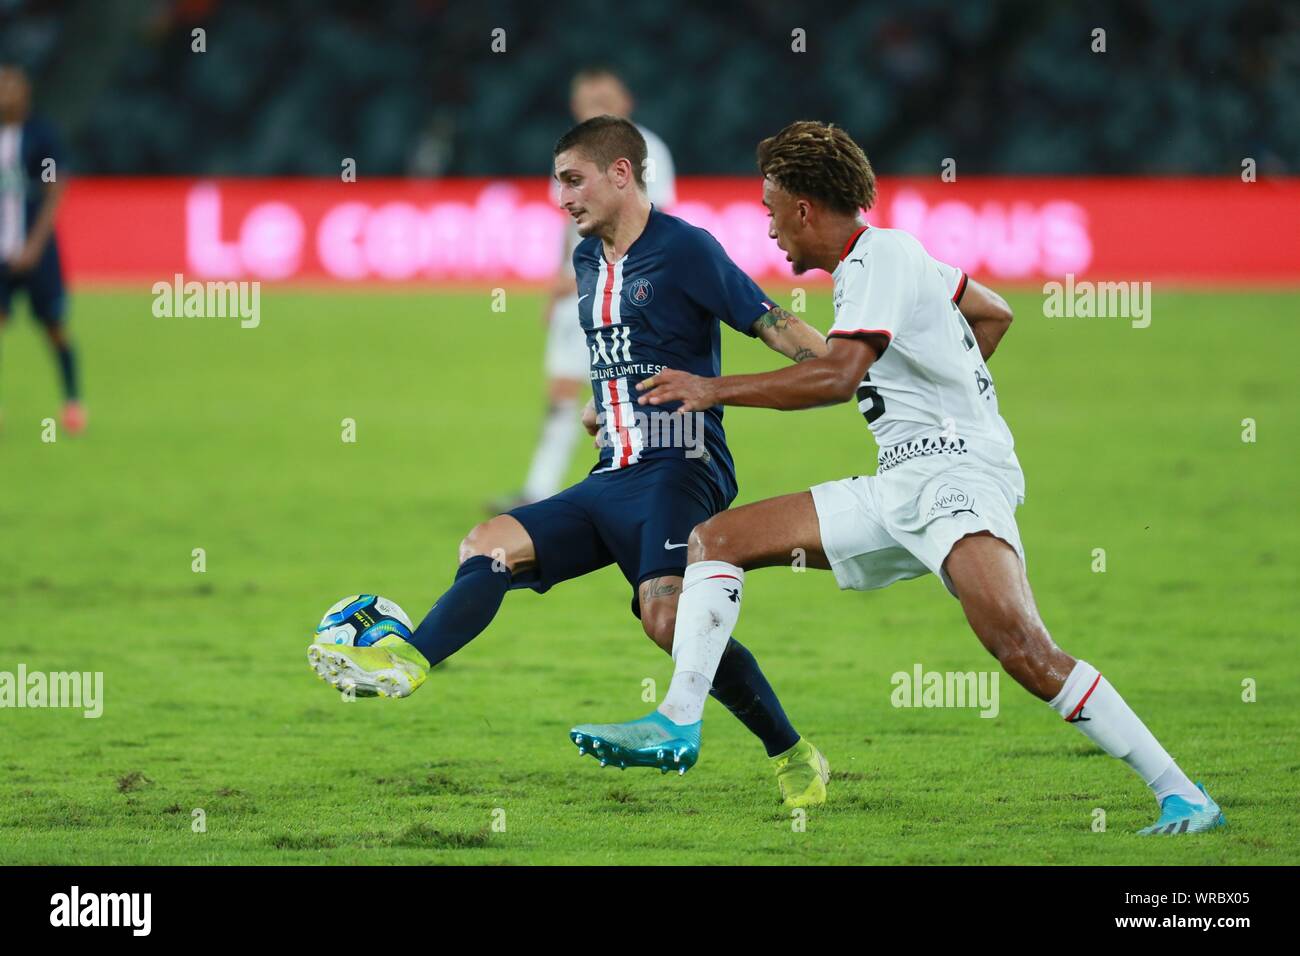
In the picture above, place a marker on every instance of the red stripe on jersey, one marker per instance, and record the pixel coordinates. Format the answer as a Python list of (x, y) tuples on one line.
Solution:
[(848, 246), (1076, 710), (624, 442), (961, 288), (605, 317), (712, 576)]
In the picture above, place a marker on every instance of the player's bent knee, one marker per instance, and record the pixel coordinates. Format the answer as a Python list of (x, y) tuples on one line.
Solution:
[(469, 545), (502, 539), (708, 542), (480, 541)]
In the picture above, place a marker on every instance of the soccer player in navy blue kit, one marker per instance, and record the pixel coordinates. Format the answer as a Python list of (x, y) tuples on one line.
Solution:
[(31, 184), (653, 291)]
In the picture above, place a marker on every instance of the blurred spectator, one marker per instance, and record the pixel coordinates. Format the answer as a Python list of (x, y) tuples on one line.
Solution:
[(1185, 86)]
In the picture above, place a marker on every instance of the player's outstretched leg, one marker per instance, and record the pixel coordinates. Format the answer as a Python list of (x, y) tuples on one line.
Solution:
[(395, 667), (653, 740), (758, 535), (990, 581), (739, 685)]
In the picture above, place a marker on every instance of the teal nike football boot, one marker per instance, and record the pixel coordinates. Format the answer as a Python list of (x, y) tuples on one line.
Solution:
[(1179, 816), (652, 741)]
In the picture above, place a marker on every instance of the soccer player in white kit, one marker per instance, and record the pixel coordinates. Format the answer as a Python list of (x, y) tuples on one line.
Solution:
[(910, 340), (595, 91)]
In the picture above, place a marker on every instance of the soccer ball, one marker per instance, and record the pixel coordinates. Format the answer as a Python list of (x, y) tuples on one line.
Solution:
[(361, 620)]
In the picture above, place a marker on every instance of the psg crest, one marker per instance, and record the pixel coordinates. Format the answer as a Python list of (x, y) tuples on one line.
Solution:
[(640, 292)]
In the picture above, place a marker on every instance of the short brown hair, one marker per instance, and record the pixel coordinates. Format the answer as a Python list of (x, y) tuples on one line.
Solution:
[(821, 161), (605, 139)]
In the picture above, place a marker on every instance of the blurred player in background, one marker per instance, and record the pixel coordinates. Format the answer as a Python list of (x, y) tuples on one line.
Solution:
[(596, 91), (32, 179)]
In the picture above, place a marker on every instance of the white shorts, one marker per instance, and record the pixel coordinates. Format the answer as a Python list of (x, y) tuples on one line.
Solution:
[(566, 343), (885, 528)]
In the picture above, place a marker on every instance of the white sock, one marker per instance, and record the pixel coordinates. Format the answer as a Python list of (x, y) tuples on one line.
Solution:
[(1173, 780), (554, 450), (1089, 702), (706, 616)]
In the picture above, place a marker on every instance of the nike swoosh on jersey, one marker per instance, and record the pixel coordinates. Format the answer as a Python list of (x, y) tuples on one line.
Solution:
[(583, 296), (668, 545)]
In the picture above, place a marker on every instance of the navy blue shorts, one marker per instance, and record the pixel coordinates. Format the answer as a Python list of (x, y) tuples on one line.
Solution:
[(638, 518), (42, 284)]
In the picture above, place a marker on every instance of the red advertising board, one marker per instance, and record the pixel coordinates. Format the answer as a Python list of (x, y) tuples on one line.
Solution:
[(502, 232)]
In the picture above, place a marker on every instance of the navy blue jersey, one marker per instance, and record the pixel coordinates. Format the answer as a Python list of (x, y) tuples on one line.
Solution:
[(658, 307), (23, 151)]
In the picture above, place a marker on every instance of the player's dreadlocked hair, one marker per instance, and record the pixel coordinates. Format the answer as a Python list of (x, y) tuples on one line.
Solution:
[(821, 161), (604, 139)]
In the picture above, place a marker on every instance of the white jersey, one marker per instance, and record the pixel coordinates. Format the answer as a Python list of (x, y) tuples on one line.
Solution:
[(929, 393)]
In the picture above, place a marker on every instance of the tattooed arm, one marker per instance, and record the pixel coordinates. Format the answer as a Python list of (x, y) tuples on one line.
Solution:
[(789, 335), (825, 380)]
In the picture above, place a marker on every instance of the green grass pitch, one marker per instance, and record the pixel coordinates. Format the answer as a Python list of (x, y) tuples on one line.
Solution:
[(206, 435)]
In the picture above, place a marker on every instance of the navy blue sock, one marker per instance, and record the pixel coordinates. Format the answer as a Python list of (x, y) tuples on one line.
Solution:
[(741, 687), (67, 371), (464, 610)]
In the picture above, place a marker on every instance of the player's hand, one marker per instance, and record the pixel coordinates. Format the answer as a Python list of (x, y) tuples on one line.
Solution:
[(590, 420), (24, 260), (695, 392)]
